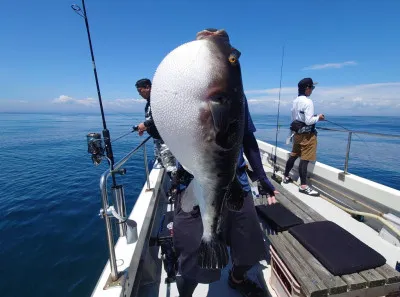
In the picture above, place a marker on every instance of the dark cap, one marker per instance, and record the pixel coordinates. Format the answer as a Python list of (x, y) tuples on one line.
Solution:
[(306, 82), (142, 83)]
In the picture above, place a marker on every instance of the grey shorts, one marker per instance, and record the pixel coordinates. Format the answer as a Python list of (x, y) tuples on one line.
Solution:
[(242, 233)]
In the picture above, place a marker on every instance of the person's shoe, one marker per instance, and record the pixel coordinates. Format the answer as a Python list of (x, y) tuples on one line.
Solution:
[(247, 287), (308, 191), (287, 179)]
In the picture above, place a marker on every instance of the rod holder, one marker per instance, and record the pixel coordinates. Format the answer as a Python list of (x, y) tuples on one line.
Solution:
[(119, 198)]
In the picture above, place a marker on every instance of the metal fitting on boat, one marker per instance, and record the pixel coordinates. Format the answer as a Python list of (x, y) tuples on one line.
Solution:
[(119, 198)]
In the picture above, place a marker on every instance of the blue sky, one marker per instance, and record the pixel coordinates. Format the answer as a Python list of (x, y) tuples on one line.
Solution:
[(350, 47)]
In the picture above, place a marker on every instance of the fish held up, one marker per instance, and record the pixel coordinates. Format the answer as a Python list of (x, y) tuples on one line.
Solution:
[(197, 101)]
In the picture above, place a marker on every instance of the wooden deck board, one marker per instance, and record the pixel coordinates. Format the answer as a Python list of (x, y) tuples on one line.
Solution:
[(312, 285), (392, 276), (373, 278), (300, 204), (334, 283), (354, 281)]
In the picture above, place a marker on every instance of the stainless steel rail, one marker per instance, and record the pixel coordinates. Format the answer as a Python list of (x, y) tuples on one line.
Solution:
[(350, 134), (104, 196)]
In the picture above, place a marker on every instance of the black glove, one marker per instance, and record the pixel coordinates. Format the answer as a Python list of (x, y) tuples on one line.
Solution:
[(265, 187)]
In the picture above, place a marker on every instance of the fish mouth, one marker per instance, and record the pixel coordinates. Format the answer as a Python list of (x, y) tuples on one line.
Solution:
[(212, 32)]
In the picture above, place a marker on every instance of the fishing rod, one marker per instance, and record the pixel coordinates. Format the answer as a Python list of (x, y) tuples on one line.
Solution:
[(275, 177), (106, 133)]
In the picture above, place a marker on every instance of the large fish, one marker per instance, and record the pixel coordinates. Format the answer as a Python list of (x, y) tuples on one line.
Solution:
[(197, 102)]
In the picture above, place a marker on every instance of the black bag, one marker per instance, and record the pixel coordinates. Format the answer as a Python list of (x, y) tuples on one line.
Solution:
[(295, 126)]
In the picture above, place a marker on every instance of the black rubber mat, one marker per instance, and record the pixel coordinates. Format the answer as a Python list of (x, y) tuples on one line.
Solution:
[(278, 217), (338, 250)]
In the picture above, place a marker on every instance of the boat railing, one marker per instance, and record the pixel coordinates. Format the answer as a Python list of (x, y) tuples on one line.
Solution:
[(119, 197), (349, 138)]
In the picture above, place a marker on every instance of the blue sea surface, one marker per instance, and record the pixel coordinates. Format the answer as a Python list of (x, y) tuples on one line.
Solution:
[(52, 239)]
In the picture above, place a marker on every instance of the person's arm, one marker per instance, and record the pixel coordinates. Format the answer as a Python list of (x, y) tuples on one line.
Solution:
[(252, 152), (149, 122), (309, 117)]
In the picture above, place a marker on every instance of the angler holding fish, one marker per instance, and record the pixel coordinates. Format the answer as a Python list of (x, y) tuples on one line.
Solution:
[(198, 89)]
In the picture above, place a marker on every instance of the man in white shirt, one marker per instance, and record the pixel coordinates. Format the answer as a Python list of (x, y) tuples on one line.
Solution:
[(305, 138)]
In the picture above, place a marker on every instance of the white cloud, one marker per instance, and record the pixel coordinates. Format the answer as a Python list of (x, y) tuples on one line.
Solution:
[(63, 99), (365, 99), (127, 102), (65, 103), (330, 65), (120, 105)]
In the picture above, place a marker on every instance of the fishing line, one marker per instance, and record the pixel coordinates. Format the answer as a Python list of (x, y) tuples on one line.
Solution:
[(112, 141), (355, 133), (275, 177)]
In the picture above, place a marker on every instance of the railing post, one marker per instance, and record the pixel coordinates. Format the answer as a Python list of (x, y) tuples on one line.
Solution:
[(107, 221), (146, 167), (346, 163)]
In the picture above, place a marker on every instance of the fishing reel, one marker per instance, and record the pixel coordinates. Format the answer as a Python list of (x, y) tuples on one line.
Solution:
[(95, 147)]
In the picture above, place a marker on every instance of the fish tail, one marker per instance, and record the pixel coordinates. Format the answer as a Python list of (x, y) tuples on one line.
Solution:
[(213, 251), (235, 195), (213, 254)]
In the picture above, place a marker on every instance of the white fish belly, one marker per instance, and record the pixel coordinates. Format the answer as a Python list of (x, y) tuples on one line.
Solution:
[(179, 98)]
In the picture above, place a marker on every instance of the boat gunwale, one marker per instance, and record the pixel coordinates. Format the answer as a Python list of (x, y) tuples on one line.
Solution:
[(132, 283)]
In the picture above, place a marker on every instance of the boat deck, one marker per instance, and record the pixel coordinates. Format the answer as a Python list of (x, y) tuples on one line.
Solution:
[(319, 281), (316, 280)]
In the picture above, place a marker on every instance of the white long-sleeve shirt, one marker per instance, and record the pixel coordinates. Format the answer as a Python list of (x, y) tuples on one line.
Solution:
[(303, 110)]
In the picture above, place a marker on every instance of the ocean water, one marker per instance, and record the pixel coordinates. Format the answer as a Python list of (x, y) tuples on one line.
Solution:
[(52, 239)]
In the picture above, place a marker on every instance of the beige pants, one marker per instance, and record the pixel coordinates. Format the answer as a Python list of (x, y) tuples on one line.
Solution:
[(305, 146)]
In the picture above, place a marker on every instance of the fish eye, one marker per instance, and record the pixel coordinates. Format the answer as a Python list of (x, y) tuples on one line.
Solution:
[(234, 57)]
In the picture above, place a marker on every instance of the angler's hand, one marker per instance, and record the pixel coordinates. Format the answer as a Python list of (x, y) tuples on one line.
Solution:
[(141, 128), (271, 197), (267, 190), (321, 117)]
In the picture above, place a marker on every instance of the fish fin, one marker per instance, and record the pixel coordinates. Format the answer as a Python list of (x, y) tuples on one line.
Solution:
[(190, 196), (235, 195), (220, 109), (213, 254)]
